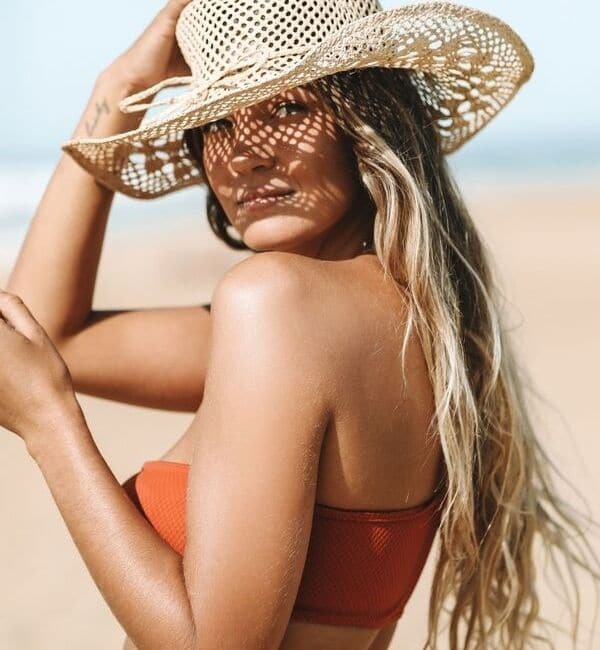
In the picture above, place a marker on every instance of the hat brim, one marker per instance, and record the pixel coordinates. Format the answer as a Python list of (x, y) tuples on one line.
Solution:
[(468, 66)]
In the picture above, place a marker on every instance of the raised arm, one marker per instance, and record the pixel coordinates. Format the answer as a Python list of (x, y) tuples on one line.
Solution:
[(55, 272), (152, 357)]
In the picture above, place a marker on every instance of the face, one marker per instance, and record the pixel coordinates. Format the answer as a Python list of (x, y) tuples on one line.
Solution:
[(291, 145)]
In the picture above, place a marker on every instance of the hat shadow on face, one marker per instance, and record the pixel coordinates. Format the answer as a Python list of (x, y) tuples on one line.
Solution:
[(289, 142), (269, 145)]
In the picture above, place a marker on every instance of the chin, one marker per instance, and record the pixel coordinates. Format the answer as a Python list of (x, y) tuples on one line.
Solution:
[(278, 233)]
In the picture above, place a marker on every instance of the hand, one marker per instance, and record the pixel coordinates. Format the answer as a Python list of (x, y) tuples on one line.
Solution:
[(155, 55), (35, 384)]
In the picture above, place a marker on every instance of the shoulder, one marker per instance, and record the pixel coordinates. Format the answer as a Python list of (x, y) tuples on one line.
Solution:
[(273, 284), (333, 306), (262, 273), (295, 298), (272, 292), (265, 324), (280, 274)]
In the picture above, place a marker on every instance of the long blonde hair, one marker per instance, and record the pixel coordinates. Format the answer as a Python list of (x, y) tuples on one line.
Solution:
[(501, 493)]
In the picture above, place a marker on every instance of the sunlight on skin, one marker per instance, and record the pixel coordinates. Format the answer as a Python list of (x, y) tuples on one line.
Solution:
[(289, 142)]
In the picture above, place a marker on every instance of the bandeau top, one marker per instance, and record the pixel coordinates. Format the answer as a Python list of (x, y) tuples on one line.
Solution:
[(361, 566)]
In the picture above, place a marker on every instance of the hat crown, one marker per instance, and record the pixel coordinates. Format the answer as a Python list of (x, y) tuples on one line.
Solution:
[(213, 34)]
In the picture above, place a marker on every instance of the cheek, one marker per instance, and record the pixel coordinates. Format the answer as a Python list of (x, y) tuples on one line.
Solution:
[(215, 172), (332, 172)]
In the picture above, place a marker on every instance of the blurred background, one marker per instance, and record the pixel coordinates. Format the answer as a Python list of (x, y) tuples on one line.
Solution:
[(530, 179)]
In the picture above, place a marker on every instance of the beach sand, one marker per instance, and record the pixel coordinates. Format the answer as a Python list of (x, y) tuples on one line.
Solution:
[(545, 243)]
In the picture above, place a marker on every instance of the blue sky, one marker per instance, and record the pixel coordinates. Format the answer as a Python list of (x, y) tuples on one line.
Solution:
[(54, 49)]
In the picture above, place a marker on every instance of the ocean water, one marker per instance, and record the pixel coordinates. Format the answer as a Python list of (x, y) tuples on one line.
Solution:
[(23, 181)]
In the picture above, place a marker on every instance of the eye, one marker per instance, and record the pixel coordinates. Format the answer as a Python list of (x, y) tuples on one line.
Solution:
[(208, 128), (213, 127), (294, 105)]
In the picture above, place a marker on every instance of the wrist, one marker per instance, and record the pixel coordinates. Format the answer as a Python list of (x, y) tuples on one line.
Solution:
[(102, 116), (66, 422), (117, 83)]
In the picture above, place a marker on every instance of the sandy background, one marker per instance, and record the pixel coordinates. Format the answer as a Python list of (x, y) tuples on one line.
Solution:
[(546, 243)]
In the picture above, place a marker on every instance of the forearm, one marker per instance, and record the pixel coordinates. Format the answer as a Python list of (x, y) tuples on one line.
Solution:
[(55, 272), (139, 575)]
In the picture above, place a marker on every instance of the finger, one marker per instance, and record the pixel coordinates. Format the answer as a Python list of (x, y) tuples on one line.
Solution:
[(169, 14), (16, 314), (177, 4), (174, 7)]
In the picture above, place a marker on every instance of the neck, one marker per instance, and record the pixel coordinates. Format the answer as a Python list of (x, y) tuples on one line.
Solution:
[(348, 238)]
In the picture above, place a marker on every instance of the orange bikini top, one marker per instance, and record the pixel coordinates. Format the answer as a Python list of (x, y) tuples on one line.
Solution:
[(361, 567)]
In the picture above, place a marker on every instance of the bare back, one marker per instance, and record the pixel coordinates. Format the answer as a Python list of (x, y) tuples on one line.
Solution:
[(375, 455)]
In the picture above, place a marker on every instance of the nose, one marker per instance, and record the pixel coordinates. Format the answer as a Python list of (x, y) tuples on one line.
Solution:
[(247, 156)]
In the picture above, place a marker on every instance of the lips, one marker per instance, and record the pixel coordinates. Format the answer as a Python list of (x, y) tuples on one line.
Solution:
[(262, 194)]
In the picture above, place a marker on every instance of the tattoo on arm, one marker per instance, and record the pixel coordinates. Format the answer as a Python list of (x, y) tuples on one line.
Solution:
[(100, 108)]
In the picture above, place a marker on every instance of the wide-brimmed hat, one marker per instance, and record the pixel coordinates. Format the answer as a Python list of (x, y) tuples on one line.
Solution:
[(467, 65)]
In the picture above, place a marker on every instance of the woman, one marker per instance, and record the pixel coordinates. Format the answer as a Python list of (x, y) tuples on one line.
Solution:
[(353, 385)]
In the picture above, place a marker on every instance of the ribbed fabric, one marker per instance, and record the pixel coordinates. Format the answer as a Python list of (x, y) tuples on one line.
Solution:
[(361, 567)]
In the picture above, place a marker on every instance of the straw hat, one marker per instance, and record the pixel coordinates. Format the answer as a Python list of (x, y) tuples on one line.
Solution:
[(468, 65)]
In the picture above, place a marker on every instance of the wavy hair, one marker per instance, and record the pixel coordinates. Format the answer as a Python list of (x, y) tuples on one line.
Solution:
[(501, 494)]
